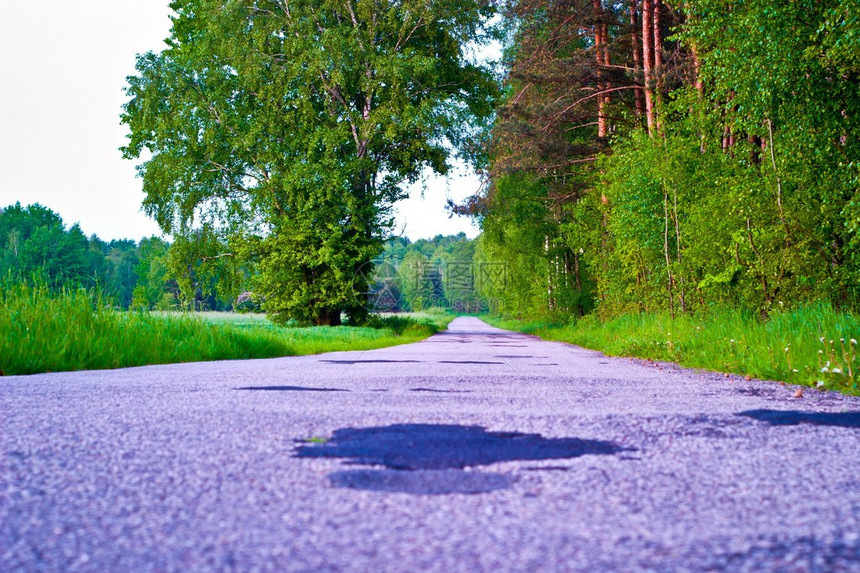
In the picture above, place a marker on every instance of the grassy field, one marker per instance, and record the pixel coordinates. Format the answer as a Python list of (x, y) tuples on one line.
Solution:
[(815, 346), (75, 330)]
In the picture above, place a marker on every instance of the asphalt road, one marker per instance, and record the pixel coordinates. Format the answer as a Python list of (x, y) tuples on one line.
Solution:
[(476, 450)]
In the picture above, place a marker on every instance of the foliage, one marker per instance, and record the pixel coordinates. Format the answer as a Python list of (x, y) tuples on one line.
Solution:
[(34, 243), (207, 271), (153, 289), (534, 250), (441, 272), (293, 125), (741, 190)]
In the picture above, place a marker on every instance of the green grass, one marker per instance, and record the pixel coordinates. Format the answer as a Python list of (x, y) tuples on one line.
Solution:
[(814, 345), (75, 330)]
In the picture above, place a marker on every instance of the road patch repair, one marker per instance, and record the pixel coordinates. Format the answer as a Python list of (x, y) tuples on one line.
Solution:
[(433, 459), (794, 417)]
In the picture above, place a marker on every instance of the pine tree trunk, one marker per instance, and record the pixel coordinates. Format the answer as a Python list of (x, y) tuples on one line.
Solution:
[(657, 71), (635, 41), (648, 61), (697, 70), (666, 253), (599, 48)]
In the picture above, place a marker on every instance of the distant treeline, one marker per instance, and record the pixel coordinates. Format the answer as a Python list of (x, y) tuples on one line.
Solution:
[(36, 246), (438, 272), (200, 272)]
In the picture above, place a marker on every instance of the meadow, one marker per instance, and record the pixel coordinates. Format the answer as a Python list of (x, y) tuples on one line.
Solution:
[(77, 330), (813, 345)]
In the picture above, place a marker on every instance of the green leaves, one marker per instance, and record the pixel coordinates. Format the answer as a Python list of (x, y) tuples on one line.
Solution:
[(298, 122)]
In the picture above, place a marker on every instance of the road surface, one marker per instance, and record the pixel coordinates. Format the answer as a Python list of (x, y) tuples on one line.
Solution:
[(475, 450)]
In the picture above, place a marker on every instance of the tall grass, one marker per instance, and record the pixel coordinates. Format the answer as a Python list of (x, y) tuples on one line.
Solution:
[(42, 331), (814, 345)]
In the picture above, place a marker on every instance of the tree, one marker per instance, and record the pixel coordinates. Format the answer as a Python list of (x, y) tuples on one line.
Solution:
[(122, 260), (208, 274), (34, 244), (293, 124), (151, 290)]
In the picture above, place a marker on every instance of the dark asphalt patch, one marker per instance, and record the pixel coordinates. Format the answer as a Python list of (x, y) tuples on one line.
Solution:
[(422, 482), (467, 362), (547, 468), (758, 392), (291, 389), (438, 447), (795, 417), (371, 361), (800, 554), (441, 390)]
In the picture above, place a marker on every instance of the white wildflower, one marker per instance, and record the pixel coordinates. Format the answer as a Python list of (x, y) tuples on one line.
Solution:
[(837, 371)]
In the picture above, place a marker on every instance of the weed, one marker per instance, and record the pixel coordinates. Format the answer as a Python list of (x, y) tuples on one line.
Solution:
[(814, 345)]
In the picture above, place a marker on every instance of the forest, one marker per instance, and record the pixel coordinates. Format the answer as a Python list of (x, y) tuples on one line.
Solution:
[(653, 155)]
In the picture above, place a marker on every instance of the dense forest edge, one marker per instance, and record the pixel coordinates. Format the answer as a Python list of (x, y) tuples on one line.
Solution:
[(656, 166)]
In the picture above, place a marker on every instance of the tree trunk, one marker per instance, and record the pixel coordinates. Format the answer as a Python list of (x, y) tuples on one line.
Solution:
[(683, 294), (657, 71), (657, 42), (666, 253), (697, 70), (599, 49), (328, 317), (788, 240), (635, 34), (648, 61)]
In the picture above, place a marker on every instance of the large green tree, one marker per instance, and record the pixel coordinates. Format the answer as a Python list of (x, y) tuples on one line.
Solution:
[(293, 124)]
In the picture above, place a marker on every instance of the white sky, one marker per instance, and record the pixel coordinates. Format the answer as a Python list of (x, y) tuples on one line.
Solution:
[(62, 71)]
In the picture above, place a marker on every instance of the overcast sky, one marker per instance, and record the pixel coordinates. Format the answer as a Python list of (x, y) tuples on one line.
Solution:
[(62, 70)]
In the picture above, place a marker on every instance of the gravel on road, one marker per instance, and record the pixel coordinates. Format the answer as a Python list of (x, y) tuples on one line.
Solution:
[(476, 450)]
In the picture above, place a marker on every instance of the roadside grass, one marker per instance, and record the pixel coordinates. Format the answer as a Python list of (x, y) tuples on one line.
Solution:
[(76, 330), (813, 345)]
